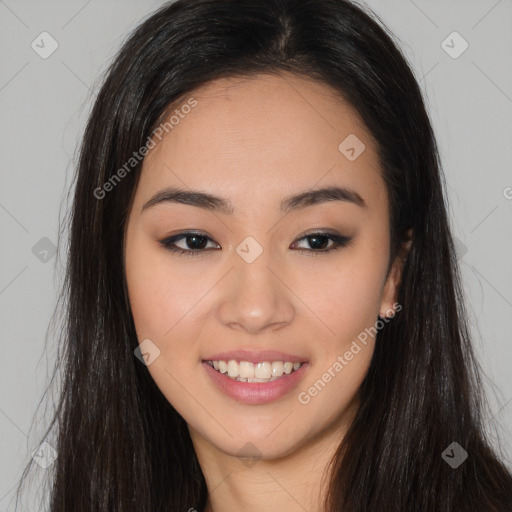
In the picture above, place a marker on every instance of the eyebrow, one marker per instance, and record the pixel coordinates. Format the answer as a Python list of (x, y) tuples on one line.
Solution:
[(218, 204)]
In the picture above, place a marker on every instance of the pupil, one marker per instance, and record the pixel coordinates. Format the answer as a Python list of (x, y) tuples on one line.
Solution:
[(317, 238), (195, 237)]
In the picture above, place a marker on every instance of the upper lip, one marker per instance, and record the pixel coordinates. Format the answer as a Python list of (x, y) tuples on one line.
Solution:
[(256, 356)]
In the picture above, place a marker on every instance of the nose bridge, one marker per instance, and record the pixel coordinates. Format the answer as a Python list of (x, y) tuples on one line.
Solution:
[(255, 299), (253, 272)]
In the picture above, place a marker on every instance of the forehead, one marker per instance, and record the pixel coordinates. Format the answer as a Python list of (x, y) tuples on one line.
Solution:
[(261, 137)]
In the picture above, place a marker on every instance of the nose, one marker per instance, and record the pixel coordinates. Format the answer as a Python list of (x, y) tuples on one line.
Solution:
[(255, 297)]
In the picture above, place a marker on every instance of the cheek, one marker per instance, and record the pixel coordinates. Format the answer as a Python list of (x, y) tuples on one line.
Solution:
[(357, 303), (162, 301), (349, 308), (161, 295), (146, 290), (347, 300), (346, 297)]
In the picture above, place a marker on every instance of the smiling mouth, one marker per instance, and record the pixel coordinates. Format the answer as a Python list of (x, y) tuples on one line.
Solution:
[(245, 371)]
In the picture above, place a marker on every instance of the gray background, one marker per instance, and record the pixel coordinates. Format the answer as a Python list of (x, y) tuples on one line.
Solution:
[(44, 105)]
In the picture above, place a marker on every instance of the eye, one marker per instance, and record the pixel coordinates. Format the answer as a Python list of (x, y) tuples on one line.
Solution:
[(196, 243), (319, 241)]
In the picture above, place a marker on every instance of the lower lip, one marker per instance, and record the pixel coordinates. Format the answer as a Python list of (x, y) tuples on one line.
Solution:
[(256, 392)]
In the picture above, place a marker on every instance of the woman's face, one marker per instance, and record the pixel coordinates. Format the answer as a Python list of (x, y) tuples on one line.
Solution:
[(259, 289)]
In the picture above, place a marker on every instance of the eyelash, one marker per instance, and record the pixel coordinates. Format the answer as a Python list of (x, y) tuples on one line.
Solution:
[(339, 242)]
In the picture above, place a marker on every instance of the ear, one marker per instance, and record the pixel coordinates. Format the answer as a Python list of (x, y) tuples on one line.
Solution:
[(389, 292)]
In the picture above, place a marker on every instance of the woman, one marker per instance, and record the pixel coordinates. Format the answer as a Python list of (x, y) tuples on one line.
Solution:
[(264, 306)]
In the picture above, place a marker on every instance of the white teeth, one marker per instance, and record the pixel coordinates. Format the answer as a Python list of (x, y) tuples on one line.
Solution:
[(263, 370), (245, 371), (232, 369), (277, 368)]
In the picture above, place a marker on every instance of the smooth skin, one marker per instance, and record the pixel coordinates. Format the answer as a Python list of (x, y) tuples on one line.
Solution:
[(255, 141)]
